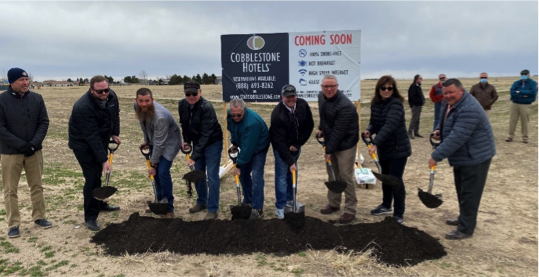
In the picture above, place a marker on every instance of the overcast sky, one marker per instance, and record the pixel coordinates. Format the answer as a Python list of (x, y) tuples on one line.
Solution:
[(60, 40)]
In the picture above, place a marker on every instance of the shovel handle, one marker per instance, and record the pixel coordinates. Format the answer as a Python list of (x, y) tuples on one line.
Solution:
[(188, 151), (294, 178), (147, 157)]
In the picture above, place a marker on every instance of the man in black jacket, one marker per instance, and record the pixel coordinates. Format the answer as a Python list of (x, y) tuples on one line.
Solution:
[(416, 99), (94, 120), (339, 125), (291, 126), (200, 126), (23, 126)]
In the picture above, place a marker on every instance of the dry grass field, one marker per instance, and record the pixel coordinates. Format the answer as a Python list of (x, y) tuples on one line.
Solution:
[(504, 244)]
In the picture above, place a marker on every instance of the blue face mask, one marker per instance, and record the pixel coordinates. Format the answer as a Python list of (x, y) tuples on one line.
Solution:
[(483, 80), (524, 77)]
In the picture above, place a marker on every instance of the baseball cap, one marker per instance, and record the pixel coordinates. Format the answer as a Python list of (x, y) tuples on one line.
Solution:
[(524, 72), (288, 90), (191, 86)]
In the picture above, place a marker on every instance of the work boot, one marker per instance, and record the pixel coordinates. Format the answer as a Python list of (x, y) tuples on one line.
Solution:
[(346, 218), (328, 209), (279, 213), (210, 216), (452, 222), (92, 225), (381, 210), (43, 223), (456, 234), (13, 232), (256, 214), (197, 208)]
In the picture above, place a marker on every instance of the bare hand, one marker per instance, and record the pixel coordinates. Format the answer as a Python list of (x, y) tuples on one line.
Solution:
[(432, 162), (293, 167), (107, 167), (117, 140), (327, 157), (373, 149), (436, 135), (319, 134), (186, 146), (367, 134), (237, 171), (190, 162), (293, 149), (144, 146), (151, 171)]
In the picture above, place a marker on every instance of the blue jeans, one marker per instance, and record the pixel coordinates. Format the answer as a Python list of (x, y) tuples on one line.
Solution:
[(253, 187), (437, 108), (283, 179), (163, 182), (209, 163)]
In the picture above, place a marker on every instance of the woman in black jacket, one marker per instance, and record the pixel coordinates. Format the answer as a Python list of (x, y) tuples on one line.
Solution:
[(391, 142)]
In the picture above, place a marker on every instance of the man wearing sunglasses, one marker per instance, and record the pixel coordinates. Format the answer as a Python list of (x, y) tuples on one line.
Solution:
[(94, 120), (291, 127), (485, 93), (201, 128), (23, 127), (436, 95), (339, 125), (249, 132)]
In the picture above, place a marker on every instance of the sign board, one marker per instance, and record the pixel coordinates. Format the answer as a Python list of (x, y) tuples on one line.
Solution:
[(257, 66)]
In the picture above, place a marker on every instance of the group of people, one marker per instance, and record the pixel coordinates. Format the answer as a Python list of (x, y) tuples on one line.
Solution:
[(461, 124)]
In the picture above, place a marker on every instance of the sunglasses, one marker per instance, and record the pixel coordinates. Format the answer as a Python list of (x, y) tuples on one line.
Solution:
[(386, 88), (443, 78), (332, 86), (484, 77), (191, 94), (101, 91), (238, 115)]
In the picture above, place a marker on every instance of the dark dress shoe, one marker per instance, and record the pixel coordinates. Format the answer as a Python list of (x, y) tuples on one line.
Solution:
[(43, 223), (346, 218), (92, 225), (329, 209), (452, 222), (456, 234), (418, 135), (109, 208)]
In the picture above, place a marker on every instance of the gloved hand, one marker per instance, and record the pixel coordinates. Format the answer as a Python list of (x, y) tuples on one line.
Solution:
[(29, 150)]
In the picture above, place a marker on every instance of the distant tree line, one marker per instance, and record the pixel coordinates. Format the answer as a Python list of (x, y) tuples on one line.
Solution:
[(175, 79)]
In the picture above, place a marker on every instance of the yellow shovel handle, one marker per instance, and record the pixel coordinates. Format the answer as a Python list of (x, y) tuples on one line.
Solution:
[(294, 177), (149, 166)]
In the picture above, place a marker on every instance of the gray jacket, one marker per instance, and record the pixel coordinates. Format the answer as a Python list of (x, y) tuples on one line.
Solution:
[(467, 137), (163, 133)]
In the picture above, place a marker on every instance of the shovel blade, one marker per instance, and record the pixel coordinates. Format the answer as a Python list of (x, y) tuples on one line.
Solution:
[(241, 211), (429, 200), (103, 193), (336, 186), (158, 208), (388, 179)]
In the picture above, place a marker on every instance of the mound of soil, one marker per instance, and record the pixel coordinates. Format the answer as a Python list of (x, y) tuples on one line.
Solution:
[(393, 243)]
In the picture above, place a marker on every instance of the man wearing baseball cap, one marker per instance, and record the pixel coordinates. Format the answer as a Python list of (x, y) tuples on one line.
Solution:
[(523, 93), (291, 126), (23, 128), (201, 128)]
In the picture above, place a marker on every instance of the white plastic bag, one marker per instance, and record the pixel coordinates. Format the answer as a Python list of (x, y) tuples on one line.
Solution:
[(365, 176)]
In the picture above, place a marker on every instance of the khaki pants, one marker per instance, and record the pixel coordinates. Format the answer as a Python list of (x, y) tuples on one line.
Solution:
[(343, 166), (12, 166), (522, 111), (489, 113)]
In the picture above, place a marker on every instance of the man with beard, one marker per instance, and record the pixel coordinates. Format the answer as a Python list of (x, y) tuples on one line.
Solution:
[(201, 127), (162, 136), (94, 120)]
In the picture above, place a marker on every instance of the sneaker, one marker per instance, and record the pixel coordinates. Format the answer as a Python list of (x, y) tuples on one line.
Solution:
[(280, 213), (197, 208), (509, 140), (399, 219), (456, 234), (92, 225), (13, 232), (43, 223), (289, 204), (210, 216), (256, 214), (380, 210)]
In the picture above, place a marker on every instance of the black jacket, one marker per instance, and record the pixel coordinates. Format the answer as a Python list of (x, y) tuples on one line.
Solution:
[(23, 120), (290, 129), (199, 125), (91, 127), (387, 122), (415, 95), (339, 122)]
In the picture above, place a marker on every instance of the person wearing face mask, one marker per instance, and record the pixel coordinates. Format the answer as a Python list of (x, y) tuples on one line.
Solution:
[(437, 96), (485, 93), (523, 93)]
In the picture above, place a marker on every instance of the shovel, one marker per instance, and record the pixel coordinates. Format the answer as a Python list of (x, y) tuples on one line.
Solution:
[(429, 200), (105, 192), (386, 179), (241, 211), (337, 186), (194, 175), (157, 207)]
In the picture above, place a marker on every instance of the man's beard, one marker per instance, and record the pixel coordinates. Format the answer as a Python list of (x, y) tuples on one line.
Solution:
[(144, 116)]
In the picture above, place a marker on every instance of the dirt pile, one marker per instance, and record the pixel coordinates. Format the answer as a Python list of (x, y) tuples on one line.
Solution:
[(393, 243)]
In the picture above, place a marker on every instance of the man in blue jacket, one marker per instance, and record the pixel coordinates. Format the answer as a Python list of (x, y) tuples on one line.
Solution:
[(467, 142), (523, 93), (250, 133)]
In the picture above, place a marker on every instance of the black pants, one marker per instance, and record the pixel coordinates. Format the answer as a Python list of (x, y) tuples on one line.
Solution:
[(469, 183), (394, 167), (92, 171)]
